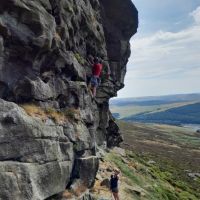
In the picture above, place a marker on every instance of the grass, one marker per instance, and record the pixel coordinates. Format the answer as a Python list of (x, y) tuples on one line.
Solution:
[(72, 113), (79, 58), (51, 113), (173, 150), (125, 169), (160, 192), (79, 190), (34, 111), (186, 140), (44, 114), (158, 180), (55, 115), (128, 110), (167, 134)]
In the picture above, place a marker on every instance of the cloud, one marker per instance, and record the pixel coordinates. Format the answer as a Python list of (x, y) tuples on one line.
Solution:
[(196, 15), (165, 53), (165, 62)]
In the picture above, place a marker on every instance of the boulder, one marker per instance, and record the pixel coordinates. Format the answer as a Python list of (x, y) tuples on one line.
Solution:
[(105, 182), (85, 170), (31, 180), (119, 151), (35, 159), (194, 175)]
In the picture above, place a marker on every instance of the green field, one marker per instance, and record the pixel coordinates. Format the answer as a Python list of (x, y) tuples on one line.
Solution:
[(185, 114), (175, 152), (174, 110), (131, 110), (157, 162)]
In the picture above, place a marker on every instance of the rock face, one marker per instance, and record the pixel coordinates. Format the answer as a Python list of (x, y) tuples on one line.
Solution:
[(44, 51)]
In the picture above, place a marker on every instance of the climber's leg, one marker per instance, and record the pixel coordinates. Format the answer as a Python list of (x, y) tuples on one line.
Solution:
[(94, 91)]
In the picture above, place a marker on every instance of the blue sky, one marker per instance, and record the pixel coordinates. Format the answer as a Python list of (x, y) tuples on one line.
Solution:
[(166, 50)]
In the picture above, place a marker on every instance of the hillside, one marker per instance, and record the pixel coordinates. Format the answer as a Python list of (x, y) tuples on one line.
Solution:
[(155, 100), (174, 149), (186, 114), (172, 109), (158, 162)]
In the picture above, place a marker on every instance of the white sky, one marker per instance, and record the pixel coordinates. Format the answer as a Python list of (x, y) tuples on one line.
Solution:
[(165, 55)]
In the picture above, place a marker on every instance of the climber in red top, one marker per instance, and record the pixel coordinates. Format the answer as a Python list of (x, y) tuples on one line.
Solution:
[(97, 68), (96, 73)]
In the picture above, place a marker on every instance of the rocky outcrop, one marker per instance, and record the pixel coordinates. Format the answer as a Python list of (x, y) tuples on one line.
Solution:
[(45, 46), (36, 158)]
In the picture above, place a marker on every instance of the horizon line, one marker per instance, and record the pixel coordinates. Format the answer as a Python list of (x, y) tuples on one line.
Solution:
[(198, 93)]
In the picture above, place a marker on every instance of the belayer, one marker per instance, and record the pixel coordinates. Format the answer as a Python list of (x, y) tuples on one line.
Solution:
[(114, 184)]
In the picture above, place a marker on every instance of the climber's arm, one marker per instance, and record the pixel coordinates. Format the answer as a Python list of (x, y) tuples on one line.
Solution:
[(108, 71)]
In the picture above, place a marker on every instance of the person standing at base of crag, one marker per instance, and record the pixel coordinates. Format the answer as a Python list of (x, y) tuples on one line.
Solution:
[(114, 184), (95, 80)]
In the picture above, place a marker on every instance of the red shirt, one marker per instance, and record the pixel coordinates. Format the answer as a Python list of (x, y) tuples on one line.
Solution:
[(96, 69)]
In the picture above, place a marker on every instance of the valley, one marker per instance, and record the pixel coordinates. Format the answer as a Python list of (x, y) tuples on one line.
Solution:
[(177, 110), (157, 162)]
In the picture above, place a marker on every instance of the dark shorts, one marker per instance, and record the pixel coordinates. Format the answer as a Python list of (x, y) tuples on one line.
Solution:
[(95, 81), (115, 190)]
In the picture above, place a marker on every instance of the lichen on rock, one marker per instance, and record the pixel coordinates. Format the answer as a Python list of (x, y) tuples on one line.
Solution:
[(44, 50)]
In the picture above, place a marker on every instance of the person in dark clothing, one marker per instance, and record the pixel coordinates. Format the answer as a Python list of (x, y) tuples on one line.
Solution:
[(114, 184)]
